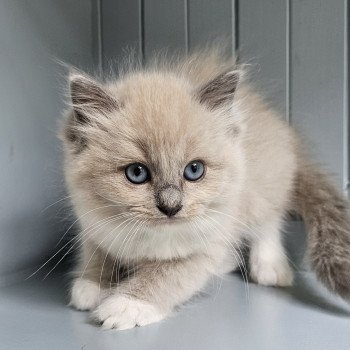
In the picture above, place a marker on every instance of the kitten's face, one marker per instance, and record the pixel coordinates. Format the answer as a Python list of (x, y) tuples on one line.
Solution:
[(159, 153)]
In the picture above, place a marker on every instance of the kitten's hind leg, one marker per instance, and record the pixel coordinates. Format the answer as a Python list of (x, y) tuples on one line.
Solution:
[(268, 261)]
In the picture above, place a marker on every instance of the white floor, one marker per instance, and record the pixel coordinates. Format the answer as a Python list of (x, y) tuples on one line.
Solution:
[(34, 316)]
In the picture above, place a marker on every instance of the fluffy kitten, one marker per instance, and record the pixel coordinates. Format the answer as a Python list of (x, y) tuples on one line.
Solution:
[(171, 167)]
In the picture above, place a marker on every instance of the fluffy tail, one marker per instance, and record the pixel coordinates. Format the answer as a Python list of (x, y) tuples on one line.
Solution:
[(326, 215)]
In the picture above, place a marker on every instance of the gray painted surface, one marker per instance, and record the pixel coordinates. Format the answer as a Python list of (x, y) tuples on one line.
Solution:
[(165, 26), (209, 20), (304, 69), (32, 35), (121, 29), (263, 44), (34, 316), (318, 81), (296, 53)]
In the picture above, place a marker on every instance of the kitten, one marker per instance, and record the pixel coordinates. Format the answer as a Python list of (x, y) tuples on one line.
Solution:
[(171, 168)]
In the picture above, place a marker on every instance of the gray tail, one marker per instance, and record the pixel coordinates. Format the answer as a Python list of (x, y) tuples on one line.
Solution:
[(326, 215)]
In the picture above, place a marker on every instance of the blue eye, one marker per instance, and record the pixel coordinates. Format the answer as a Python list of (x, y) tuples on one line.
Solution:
[(137, 173), (194, 170)]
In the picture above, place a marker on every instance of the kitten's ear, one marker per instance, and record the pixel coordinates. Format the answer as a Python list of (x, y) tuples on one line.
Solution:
[(90, 101), (219, 91), (89, 97)]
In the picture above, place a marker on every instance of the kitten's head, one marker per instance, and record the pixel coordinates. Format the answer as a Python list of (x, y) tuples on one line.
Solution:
[(154, 145)]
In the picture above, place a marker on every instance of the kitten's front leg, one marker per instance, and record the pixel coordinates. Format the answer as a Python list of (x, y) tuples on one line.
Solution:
[(88, 285), (153, 291)]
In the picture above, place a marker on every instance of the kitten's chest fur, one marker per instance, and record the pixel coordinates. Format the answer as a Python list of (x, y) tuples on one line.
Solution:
[(129, 241)]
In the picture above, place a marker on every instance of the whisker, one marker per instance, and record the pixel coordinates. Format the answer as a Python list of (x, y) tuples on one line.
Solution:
[(80, 217), (69, 250), (107, 253), (51, 205), (240, 254), (195, 224), (255, 231), (240, 260), (65, 245), (109, 248), (103, 240), (128, 255), (115, 261)]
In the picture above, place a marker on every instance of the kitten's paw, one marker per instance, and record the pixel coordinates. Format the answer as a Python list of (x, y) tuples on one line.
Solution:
[(270, 273), (85, 294), (124, 312)]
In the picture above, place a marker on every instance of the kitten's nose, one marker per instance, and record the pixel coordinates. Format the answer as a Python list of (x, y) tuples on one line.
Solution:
[(169, 211), (169, 198)]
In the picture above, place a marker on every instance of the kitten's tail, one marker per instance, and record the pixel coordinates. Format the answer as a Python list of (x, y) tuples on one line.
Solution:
[(326, 215)]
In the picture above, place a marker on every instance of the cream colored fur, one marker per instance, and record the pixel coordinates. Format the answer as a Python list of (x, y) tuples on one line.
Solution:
[(135, 264)]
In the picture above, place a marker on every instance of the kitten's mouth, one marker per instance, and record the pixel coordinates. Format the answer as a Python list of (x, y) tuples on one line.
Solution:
[(167, 221)]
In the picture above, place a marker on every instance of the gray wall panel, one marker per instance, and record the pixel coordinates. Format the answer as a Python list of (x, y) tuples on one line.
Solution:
[(121, 28), (32, 35), (164, 25), (302, 71), (318, 93), (263, 43), (208, 20)]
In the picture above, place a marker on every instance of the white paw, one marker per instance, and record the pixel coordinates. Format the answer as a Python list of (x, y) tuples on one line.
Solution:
[(124, 312), (271, 273), (85, 294)]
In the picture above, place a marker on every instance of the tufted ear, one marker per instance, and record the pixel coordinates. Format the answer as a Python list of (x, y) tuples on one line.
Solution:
[(90, 100), (89, 97), (219, 91)]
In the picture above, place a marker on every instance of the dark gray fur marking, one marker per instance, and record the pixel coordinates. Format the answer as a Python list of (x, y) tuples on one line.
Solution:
[(220, 90)]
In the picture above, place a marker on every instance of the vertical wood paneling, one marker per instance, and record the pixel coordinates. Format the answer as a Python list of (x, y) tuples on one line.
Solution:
[(32, 35), (318, 89), (346, 132), (121, 28), (263, 42), (208, 20), (297, 55), (164, 25)]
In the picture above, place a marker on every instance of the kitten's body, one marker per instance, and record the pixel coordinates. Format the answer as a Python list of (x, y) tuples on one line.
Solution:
[(165, 117)]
